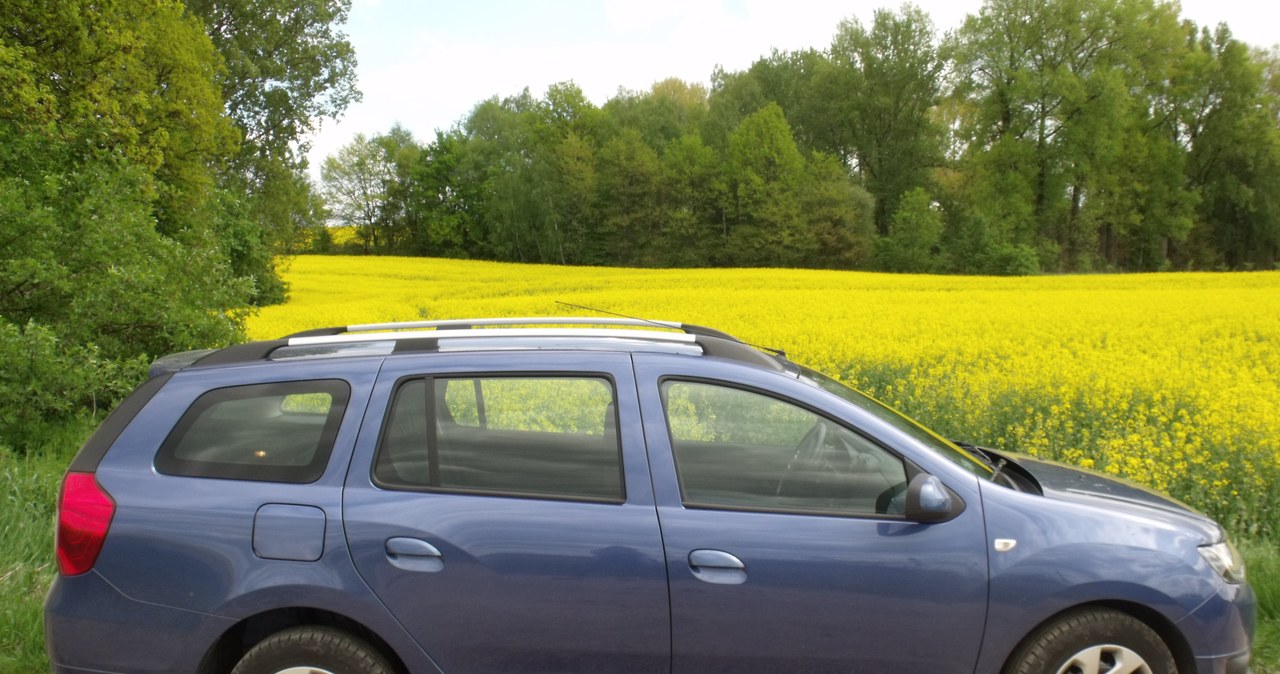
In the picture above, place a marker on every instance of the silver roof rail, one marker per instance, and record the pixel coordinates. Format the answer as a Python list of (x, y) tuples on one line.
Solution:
[(636, 335), (493, 327), (463, 323)]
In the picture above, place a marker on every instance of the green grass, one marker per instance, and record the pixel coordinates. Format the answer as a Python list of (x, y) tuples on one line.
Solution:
[(1262, 565), (29, 487)]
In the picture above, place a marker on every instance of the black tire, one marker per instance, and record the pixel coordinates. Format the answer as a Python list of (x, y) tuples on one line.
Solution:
[(313, 650), (1116, 641)]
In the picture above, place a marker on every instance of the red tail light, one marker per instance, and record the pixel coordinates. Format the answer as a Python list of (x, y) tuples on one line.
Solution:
[(85, 510)]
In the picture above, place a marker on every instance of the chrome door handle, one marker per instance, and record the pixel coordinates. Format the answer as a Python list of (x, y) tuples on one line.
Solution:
[(717, 567), (412, 554)]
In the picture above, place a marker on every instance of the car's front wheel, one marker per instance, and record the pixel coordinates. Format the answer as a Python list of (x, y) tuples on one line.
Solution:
[(1093, 641), (312, 650)]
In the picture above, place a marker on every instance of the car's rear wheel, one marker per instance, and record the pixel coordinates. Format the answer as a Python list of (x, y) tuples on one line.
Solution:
[(313, 650), (1093, 641)]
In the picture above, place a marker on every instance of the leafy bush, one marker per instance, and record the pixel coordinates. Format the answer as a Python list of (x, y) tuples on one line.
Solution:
[(90, 290), (46, 383), (912, 243), (1013, 260)]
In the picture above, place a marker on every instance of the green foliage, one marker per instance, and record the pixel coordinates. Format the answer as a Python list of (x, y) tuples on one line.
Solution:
[(45, 383), (1089, 128), (912, 243), (355, 183), (286, 67), (437, 196), (1235, 156), (630, 183), (883, 84), (840, 213), (1011, 260), (130, 226), (671, 109), (29, 487), (89, 289), (245, 248), (766, 174), (695, 196), (1064, 136), (84, 255)]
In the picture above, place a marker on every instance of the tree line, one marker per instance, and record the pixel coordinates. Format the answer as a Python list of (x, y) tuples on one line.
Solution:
[(1041, 136), (151, 169)]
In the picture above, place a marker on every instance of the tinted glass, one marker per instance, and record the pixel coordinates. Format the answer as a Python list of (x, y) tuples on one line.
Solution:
[(741, 449), (957, 455), (280, 432), (550, 437)]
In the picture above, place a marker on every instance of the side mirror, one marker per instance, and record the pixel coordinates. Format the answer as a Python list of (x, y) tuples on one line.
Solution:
[(928, 500)]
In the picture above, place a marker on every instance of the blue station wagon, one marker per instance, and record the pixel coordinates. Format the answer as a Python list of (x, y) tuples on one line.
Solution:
[(600, 495)]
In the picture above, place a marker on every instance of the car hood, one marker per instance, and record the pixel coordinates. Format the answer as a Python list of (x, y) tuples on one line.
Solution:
[(1068, 483)]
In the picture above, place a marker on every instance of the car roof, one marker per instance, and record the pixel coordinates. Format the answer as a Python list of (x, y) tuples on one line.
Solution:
[(486, 334)]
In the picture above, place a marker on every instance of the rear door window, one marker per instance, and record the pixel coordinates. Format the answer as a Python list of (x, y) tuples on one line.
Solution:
[(543, 436)]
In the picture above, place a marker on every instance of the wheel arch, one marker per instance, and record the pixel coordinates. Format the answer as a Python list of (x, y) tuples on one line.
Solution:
[(227, 650), (1162, 626)]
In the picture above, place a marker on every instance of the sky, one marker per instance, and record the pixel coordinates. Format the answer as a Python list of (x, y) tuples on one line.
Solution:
[(424, 64)]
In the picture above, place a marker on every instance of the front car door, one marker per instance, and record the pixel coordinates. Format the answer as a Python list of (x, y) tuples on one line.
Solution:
[(500, 505), (782, 546)]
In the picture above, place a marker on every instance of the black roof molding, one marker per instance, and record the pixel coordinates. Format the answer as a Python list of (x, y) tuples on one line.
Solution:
[(241, 353)]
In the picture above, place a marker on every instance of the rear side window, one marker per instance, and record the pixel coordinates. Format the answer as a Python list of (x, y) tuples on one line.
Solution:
[(280, 432), (545, 437)]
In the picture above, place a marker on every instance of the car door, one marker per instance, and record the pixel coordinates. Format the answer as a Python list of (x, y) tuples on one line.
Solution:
[(782, 546), (500, 506)]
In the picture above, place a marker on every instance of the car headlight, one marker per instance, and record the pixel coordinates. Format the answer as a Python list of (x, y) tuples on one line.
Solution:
[(1225, 559)]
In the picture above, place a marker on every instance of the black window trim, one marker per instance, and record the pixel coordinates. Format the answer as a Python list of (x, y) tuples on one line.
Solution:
[(433, 446), (909, 467)]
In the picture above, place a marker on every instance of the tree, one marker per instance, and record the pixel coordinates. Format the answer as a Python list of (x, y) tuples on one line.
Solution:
[(444, 199), (670, 109), (107, 146), (286, 67), (1062, 96), (399, 215), (790, 79), (884, 84), (733, 97), (1234, 158), (630, 201), (767, 175), (840, 213), (90, 287), (696, 202), (355, 184), (912, 243)]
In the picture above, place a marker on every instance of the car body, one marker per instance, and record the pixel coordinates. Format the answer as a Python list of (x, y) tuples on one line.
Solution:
[(499, 495)]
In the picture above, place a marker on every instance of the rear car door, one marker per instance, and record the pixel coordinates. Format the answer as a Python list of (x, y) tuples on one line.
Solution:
[(500, 506), (782, 546)]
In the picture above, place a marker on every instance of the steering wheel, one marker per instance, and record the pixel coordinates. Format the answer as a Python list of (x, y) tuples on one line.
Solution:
[(807, 456)]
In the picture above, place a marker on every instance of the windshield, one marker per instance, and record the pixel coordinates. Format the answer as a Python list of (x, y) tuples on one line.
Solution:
[(939, 444)]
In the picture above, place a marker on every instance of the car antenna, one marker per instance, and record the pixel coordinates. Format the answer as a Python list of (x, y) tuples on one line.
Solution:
[(775, 351), (613, 313)]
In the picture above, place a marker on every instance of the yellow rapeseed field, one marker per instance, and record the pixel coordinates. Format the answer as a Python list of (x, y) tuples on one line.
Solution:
[(1172, 380)]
